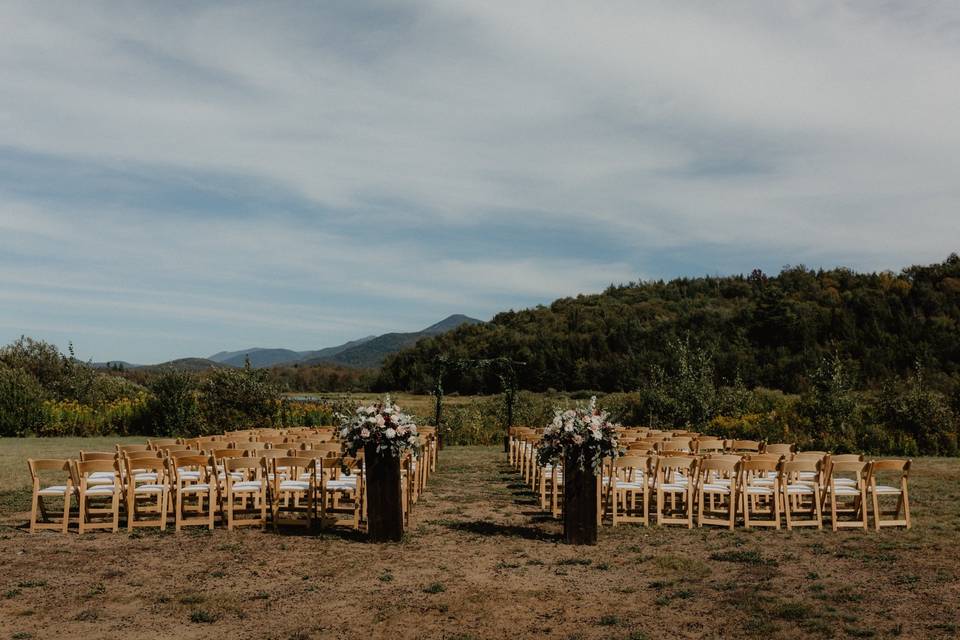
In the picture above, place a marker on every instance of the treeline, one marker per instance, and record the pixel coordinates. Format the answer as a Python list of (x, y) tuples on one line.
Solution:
[(764, 331), (46, 393)]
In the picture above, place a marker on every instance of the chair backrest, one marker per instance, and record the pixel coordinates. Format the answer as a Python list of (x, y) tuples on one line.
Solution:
[(790, 470), (672, 464), (220, 454), (846, 468), (727, 457), (186, 453), (717, 467), (246, 445), (675, 444), (171, 448), (847, 457), (710, 445), (141, 455), (86, 467), (126, 448), (97, 455), (268, 454), (36, 466), (754, 467), (200, 463), (161, 442), (745, 446), (901, 468), (295, 465), (780, 448), (241, 464), (631, 464), (145, 464)]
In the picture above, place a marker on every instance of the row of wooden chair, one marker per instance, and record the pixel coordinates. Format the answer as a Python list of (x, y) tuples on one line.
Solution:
[(238, 484), (676, 473)]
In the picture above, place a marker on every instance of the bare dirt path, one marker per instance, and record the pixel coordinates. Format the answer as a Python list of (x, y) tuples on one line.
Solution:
[(480, 561)]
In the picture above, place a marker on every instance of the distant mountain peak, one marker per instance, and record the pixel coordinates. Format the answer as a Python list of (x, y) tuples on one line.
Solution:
[(368, 351)]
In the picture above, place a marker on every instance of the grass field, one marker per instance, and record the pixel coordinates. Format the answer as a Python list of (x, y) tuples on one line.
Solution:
[(480, 561)]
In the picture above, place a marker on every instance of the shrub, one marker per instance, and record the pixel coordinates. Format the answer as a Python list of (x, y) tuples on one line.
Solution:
[(237, 398), (21, 402)]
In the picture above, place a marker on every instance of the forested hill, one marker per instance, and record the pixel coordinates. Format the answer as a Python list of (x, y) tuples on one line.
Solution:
[(771, 331)]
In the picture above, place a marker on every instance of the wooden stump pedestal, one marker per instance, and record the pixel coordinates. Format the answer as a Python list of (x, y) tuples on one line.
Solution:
[(580, 499), (384, 497)]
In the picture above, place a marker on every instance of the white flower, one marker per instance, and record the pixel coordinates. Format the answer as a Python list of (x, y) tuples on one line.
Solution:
[(390, 433), (578, 439), (380, 420), (364, 433), (344, 432)]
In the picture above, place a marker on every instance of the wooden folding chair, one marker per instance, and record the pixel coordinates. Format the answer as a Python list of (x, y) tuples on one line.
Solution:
[(846, 491), (675, 478), (62, 489), (148, 498), (245, 501), (291, 489), (758, 484), (800, 492), (716, 491), (335, 489), (193, 483), (97, 500), (897, 488), (629, 480)]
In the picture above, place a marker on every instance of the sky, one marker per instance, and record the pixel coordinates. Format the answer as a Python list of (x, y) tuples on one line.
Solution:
[(179, 178)]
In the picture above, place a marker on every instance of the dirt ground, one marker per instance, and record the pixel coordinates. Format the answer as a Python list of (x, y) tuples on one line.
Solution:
[(480, 561)]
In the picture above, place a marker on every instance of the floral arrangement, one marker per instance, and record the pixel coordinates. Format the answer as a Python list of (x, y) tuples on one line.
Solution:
[(584, 432), (382, 424)]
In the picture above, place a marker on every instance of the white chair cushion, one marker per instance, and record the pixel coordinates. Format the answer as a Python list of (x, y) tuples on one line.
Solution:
[(630, 486), (883, 489), (55, 490), (294, 485), (340, 485), (800, 489), (850, 482), (759, 490), (197, 487), (101, 474), (247, 486), (150, 488), (188, 474), (99, 490), (843, 490), (674, 487), (145, 476), (716, 488)]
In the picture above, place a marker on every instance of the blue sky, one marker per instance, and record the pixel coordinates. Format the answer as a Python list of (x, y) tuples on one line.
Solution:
[(181, 178)]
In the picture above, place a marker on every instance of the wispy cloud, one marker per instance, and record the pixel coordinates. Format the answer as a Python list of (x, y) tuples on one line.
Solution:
[(296, 175)]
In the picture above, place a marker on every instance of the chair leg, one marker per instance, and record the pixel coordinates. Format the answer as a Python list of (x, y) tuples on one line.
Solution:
[(34, 505), (67, 498)]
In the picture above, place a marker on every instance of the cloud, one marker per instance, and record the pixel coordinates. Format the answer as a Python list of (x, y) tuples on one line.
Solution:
[(375, 165)]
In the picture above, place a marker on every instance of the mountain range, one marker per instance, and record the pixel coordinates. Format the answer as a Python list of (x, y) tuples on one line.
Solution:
[(369, 351)]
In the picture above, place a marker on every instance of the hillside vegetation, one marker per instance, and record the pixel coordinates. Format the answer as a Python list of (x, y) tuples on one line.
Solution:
[(765, 331)]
